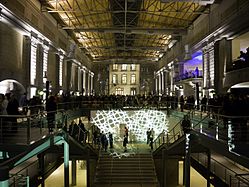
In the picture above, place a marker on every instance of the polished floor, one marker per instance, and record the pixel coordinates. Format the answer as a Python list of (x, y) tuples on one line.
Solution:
[(56, 179)]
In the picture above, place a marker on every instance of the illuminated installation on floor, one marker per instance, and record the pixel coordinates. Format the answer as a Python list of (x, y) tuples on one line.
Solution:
[(138, 122)]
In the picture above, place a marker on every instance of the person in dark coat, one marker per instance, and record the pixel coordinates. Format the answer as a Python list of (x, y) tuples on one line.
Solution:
[(148, 133), (181, 103), (110, 140), (204, 104), (151, 143), (83, 132), (125, 142), (12, 109), (186, 124), (51, 110)]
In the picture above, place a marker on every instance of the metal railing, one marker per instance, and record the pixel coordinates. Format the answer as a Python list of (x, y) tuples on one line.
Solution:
[(213, 128), (228, 176), (161, 102), (25, 129), (23, 176)]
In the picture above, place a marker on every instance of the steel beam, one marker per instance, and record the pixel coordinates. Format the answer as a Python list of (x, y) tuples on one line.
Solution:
[(126, 61), (134, 48), (99, 12), (200, 2), (149, 31)]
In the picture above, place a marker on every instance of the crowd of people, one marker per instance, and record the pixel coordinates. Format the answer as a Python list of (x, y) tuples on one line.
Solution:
[(189, 74), (9, 106), (77, 131), (233, 108), (242, 61)]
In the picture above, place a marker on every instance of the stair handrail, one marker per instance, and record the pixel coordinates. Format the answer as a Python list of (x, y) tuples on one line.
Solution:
[(236, 175), (162, 135), (175, 135)]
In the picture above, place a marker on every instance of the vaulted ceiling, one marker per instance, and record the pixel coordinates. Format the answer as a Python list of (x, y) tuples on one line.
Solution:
[(130, 30)]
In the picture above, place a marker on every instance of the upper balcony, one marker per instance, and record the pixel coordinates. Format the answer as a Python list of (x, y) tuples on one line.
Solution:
[(237, 73), (189, 76)]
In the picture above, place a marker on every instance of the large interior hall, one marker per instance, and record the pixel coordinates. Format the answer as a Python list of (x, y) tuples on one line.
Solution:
[(114, 93)]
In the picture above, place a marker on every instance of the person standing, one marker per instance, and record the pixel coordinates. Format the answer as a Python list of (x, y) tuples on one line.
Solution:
[(204, 104), (186, 124), (126, 133), (151, 143), (148, 133), (12, 109), (51, 110), (125, 142), (111, 140), (23, 102), (181, 103), (152, 133), (3, 104)]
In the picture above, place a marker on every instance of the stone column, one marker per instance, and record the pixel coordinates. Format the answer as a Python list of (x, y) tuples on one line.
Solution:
[(163, 83), (92, 82), (89, 83), (166, 82), (74, 170), (223, 60), (79, 80), (187, 163), (69, 73), (156, 84), (84, 82), (159, 83)]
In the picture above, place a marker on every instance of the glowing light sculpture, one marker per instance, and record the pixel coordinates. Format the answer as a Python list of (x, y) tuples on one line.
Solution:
[(138, 122)]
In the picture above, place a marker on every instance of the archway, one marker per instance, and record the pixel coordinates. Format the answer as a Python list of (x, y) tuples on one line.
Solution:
[(240, 88), (13, 86)]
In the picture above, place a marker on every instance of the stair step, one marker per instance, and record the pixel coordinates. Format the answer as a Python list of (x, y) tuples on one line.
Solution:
[(127, 165), (125, 173), (138, 170), (119, 170), (124, 180)]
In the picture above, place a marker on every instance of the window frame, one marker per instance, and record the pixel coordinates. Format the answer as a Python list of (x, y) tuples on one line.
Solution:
[(122, 77), (123, 69), (116, 79)]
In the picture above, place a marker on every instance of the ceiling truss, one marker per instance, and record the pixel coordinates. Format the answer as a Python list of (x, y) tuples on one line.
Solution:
[(125, 29)]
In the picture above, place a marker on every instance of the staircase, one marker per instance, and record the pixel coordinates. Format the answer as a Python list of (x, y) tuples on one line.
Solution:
[(133, 171)]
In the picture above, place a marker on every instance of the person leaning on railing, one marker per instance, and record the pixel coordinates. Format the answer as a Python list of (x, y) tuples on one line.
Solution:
[(186, 124)]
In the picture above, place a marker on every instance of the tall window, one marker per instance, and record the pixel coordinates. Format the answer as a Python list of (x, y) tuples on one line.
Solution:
[(115, 67), (60, 69), (33, 56), (133, 67), (45, 62), (119, 91), (133, 79), (133, 91), (124, 79), (124, 67), (114, 79)]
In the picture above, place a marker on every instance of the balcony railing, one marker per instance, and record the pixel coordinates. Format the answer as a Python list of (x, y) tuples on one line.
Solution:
[(188, 75)]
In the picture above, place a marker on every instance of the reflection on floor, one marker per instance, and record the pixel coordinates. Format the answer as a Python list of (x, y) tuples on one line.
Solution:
[(196, 180), (56, 179)]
